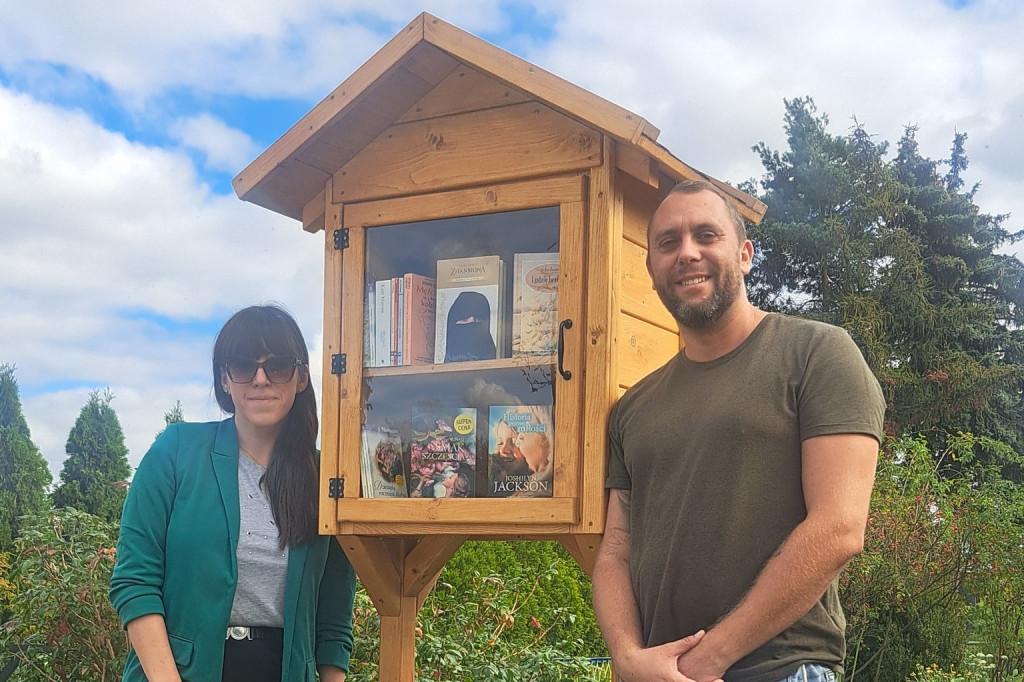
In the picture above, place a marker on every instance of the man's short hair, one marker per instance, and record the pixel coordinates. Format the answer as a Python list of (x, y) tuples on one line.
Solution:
[(695, 186)]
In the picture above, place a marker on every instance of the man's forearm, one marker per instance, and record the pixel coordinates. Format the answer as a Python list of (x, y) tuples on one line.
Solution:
[(615, 607), (788, 586)]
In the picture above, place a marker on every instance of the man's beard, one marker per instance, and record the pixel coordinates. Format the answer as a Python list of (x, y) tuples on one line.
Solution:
[(705, 314)]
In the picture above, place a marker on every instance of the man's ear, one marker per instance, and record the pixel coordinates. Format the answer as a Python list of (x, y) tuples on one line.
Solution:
[(746, 256)]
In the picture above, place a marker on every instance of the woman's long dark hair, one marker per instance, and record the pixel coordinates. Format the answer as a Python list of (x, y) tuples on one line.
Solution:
[(292, 475)]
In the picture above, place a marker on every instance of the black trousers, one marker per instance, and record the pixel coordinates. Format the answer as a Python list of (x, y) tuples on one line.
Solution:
[(253, 660)]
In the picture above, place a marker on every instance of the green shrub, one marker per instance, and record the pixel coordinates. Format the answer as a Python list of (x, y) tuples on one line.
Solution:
[(60, 614), (484, 628)]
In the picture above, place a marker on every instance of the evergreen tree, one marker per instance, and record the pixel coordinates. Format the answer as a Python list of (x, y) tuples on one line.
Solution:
[(899, 255), (94, 478), (173, 416), (24, 475)]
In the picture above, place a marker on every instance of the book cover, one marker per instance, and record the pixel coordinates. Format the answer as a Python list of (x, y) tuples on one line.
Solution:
[(521, 446), (442, 456), (382, 323), (535, 304), (382, 460), (419, 319), (467, 309)]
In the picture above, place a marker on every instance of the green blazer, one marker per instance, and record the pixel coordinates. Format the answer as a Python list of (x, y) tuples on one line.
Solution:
[(176, 557)]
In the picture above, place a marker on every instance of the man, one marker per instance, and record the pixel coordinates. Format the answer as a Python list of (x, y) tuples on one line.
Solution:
[(740, 474)]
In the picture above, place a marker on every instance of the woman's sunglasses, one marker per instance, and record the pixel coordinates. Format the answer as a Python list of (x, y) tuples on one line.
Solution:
[(279, 369)]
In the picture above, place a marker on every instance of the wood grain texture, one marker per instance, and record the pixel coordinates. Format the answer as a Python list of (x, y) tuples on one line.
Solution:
[(465, 89), (603, 227), (330, 403), (643, 348), (494, 145), (489, 198)]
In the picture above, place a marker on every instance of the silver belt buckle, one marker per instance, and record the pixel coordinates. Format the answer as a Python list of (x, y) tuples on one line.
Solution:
[(239, 632)]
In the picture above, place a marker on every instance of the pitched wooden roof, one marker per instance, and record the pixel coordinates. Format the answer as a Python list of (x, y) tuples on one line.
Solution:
[(294, 170)]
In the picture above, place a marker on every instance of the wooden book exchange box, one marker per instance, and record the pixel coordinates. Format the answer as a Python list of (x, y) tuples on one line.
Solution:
[(499, 185)]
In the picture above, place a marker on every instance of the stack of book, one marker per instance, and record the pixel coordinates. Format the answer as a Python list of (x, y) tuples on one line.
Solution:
[(398, 321)]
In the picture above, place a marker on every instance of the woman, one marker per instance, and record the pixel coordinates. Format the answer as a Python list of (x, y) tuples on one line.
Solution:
[(221, 575)]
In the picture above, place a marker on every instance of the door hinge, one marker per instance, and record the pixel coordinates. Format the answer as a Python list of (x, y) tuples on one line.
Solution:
[(341, 239), (339, 363), (336, 488)]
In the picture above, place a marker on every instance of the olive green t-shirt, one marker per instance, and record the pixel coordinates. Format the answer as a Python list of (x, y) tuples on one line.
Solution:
[(711, 454)]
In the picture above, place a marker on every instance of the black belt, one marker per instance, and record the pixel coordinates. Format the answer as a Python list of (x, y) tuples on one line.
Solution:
[(241, 632)]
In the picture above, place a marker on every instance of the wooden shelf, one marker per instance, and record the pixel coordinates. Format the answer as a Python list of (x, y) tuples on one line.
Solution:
[(471, 366)]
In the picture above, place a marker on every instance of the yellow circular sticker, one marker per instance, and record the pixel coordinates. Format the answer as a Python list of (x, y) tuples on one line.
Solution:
[(463, 424)]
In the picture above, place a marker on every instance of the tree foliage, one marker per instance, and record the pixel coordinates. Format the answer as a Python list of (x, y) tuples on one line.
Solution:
[(175, 415), (94, 478), (24, 474), (898, 254)]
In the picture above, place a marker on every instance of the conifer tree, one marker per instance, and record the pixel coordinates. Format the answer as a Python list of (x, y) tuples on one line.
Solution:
[(899, 254), (24, 474), (173, 416), (94, 478)]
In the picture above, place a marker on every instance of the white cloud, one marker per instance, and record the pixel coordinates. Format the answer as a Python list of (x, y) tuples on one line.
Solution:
[(101, 241), (224, 148)]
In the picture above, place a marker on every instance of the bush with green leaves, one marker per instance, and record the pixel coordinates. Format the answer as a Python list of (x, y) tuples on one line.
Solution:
[(483, 628), (569, 587), (62, 623), (944, 558)]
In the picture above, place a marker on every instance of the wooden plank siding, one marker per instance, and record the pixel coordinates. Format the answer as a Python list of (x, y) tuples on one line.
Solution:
[(464, 90), (514, 142), (648, 334)]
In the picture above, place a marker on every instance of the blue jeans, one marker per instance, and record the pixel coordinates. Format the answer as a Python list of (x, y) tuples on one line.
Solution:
[(812, 672)]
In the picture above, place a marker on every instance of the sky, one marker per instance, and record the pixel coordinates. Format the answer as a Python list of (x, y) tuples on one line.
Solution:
[(123, 248)]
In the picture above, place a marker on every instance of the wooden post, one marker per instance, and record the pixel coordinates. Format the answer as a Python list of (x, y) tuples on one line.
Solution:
[(398, 574)]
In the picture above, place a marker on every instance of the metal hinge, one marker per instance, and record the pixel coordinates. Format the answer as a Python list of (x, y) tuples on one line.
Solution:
[(336, 488), (339, 363), (341, 239)]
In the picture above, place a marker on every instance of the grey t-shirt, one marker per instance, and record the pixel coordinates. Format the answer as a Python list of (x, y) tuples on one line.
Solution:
[(711, 454), (262, 565)]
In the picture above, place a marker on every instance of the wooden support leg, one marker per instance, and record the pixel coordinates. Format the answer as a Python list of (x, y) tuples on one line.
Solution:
[(398, 574), (582, 548)]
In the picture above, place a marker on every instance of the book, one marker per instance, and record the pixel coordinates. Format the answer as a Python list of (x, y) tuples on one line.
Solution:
[(382, 466), (382, 322), (521, 447), (419, 318), (469, 291), (397, 297), (442, 455), (369, 326), (535, 304)]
